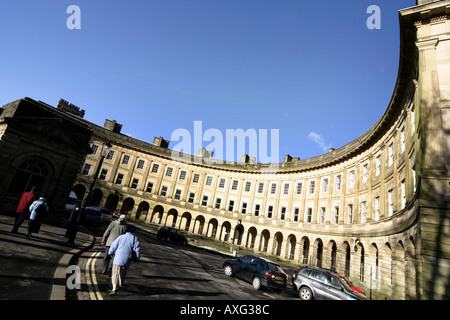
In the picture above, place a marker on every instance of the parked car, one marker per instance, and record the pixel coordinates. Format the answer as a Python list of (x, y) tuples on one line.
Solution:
[(171, 234), (351, 284), (258, 271), (317, 283), (92, 214)]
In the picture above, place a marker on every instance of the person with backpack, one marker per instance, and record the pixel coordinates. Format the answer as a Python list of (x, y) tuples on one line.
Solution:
[(38, 211)]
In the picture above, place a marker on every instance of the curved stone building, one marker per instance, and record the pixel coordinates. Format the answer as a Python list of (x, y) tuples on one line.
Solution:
[(376, 209)]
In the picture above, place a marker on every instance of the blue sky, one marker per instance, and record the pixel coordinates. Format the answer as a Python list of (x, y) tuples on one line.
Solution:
[(311, 69)]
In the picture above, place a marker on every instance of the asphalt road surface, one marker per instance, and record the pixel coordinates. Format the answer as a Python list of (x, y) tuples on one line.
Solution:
[(169, 271)]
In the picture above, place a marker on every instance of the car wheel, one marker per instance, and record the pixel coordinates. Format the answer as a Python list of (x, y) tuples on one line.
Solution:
[(228, 270), (305, 293), (256, 283)]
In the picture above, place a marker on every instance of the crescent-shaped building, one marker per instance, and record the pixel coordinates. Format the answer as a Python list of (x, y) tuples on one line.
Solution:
[(376, 210)]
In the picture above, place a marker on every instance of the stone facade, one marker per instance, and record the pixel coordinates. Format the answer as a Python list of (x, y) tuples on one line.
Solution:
[(43, 147), (376, 210)]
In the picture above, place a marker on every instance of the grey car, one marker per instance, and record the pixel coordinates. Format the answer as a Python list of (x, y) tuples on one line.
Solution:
[(317, 283)]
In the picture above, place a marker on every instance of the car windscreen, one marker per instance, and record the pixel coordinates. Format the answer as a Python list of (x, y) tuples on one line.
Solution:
[(344, 283)]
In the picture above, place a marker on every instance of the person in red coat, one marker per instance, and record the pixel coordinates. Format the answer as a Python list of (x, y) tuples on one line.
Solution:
[(22, 211)]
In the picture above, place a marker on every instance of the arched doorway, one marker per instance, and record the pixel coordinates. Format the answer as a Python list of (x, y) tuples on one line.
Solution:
[(29, 173)]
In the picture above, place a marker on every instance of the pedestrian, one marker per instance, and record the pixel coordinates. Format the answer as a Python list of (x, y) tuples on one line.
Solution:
[(123, 249), (115, 229), (22, 210), (38, 211)]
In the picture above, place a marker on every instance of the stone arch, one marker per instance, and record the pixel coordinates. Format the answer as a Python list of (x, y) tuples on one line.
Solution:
[(225, 231), (157, 214), (199, 224), (185, 221), (96, 198), (171, 218), (277, 243), (332, 258), (112, 201), (251, 237), (305, 247), (264, 241), (127, 206), (398, 271), (386, 269), (291, 246), (238, 233), (142, 210), (212, 228), (318, 253), (411, 270)]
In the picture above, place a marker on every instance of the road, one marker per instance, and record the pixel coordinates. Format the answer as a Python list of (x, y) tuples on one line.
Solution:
[(169, 271)]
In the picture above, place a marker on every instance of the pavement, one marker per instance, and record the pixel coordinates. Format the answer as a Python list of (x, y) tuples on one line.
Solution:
[(45, 267), (37, 268)]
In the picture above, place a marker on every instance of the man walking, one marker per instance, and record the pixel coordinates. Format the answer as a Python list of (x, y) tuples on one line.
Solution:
[(115, 229), (22, 210)]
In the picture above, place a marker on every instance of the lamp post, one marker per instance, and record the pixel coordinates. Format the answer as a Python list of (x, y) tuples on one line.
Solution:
[(74, 220)]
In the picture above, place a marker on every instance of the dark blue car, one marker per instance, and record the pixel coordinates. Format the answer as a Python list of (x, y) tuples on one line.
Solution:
[(258, 271)]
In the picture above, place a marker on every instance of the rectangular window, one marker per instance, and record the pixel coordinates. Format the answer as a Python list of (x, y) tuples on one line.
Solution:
[(119, 178), (205, 201), (163, 191), (208, 180), (336, 215), (283, 213), (286, 188), (391, 202), (149, 187), (377, 208), (378, 166), (325, 185), (191, 197), (269, 211), (322, 215), (312, 187), (257, 208), (218, 202), (155, 168), (403, 193), (222, 183), (363, 212), (351, 179), (365, 173), (248, 185), (125, 159), (140, 164), (273, 188), (296, 213), (244, 208), (135, 183), (196, 177), (402, 140), (110, 155), (391, 155), (231, 205), (299, 187), (308, 215), (86, 169), (260, 187), (349, 213), (182, 175), (338, 182), (177, 194), (169, 172), (94, 149), (235, 185), (103, 174)]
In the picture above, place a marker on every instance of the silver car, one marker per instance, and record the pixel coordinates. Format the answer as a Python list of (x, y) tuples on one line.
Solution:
[(317, 283)]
